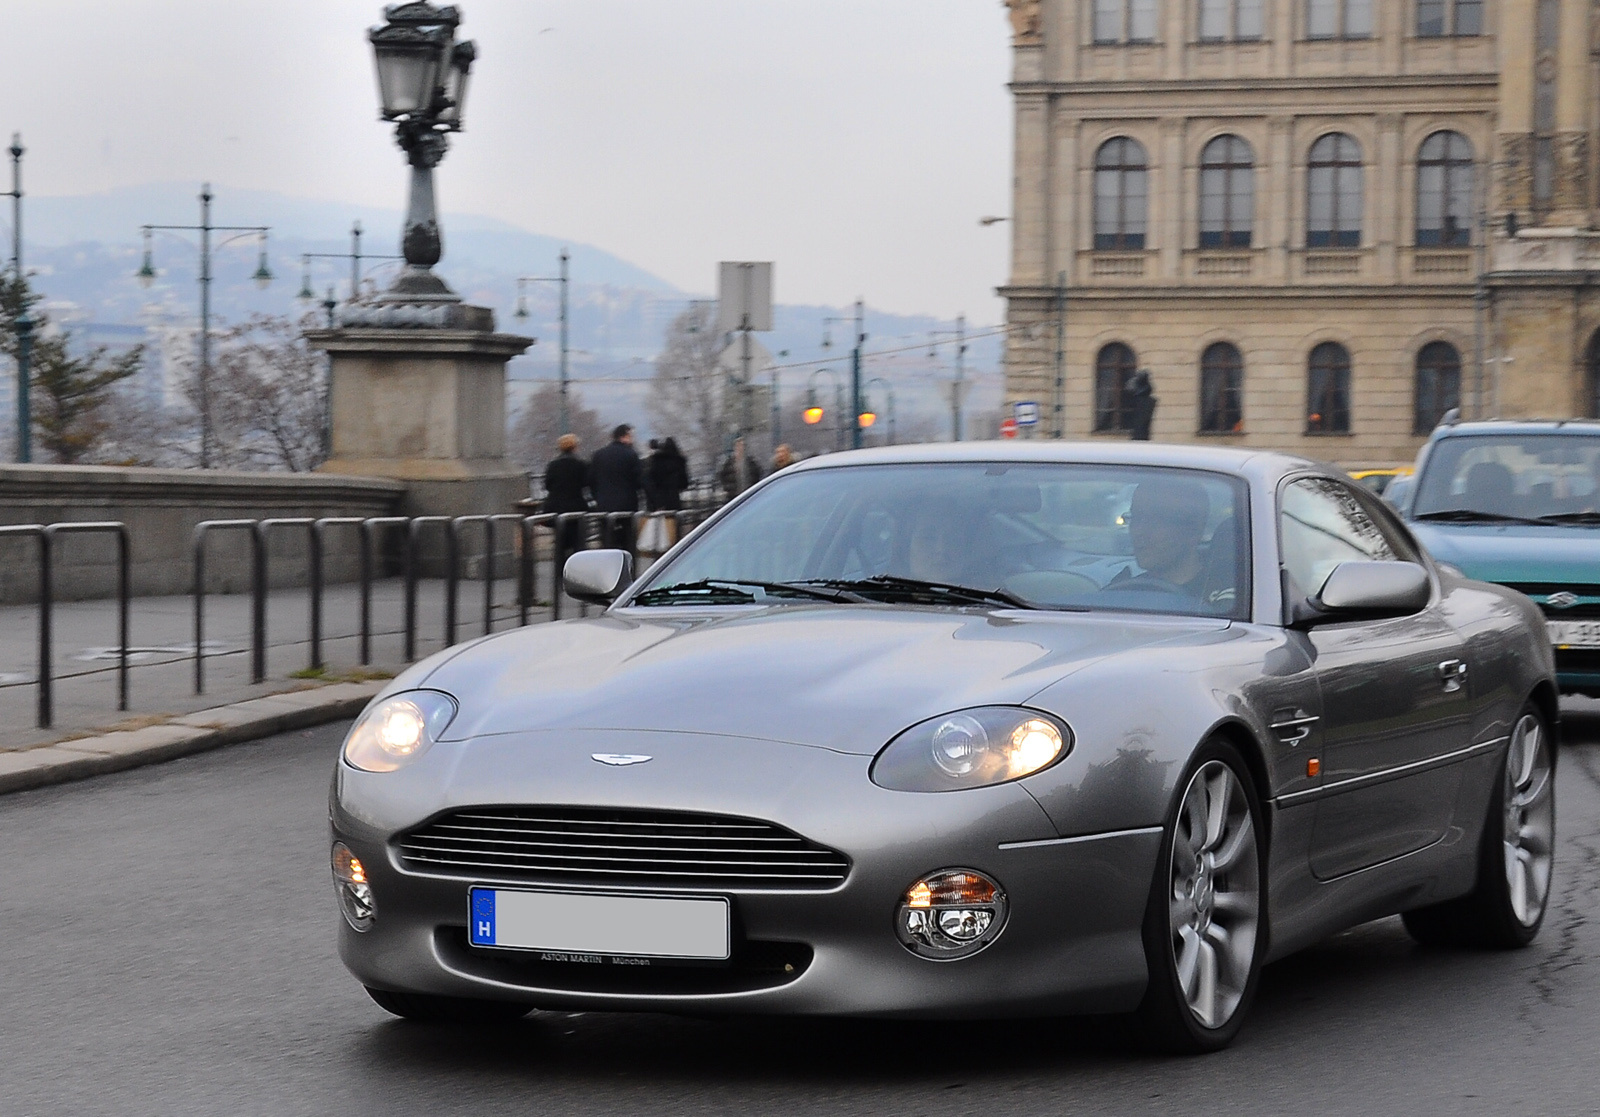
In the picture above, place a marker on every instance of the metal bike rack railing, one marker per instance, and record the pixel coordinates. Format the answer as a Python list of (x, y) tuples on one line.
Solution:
[(258, 597), (319, 530), (489, 555), (413, 532), (314, 562), (46, 534)]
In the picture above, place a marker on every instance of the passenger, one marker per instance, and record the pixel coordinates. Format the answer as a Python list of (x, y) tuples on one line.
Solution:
[(1167, 525)]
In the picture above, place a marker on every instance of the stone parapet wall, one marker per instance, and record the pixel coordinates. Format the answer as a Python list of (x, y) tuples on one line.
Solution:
[(161, 508)]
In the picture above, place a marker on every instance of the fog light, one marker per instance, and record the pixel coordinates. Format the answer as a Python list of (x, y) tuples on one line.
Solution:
[(355, 893), (951, 914)]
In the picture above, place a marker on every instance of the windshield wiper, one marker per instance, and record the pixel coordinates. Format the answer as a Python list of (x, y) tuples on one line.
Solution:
[(890, 585), (740, 590), (1473, 515), (1571, 518)]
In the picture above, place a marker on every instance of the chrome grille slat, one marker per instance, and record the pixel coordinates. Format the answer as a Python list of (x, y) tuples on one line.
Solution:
[(619, 847)]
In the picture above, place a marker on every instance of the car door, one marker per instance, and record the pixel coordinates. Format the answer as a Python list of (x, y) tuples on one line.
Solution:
[(1395, 704)]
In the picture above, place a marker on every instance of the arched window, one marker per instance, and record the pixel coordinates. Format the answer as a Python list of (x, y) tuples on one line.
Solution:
[(1328, 390), (1444, 190), (1121, 194), (1221, 389), (1438, 384), (1112, 368), (1334, 188), (1227, 193)]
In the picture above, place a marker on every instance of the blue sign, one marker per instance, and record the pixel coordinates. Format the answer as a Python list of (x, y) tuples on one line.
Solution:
[(483, 917), (1026, 413)]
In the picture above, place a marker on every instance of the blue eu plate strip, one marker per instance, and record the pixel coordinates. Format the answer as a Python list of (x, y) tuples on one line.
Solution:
[(483, 917)]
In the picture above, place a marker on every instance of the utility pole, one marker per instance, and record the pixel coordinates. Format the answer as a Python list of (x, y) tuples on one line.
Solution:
[(961, 376), (355, 264), (1059, 404), (855, 375), (1480, 291), (24, 322), (565, 279)]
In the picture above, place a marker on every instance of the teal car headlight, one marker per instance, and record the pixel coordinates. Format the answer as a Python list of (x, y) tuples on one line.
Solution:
[(394, 732), (972, 748)]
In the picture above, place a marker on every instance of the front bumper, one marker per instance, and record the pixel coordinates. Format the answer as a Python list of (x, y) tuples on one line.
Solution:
[(1072, 943)]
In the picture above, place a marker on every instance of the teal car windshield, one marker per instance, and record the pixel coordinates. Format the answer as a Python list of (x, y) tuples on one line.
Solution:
[(1053, 536), (1540, 478)]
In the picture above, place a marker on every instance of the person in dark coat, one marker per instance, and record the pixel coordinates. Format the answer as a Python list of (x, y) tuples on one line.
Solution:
[(668, 475), (565, 480), (615, 477), (652, 494), (739, 470)]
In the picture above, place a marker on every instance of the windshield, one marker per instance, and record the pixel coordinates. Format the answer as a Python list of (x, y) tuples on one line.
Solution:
[(1511, 476), (1038, 535)]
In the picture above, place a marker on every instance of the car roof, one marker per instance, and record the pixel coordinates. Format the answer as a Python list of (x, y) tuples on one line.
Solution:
[(1577, 427), (1257, 464)]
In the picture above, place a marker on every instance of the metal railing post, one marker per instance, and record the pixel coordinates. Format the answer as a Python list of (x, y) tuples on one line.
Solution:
[(366, 575), (47, 603), (257, 594), (413, 530)]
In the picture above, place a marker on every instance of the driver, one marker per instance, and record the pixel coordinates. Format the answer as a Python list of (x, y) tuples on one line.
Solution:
[(938, 549), (1166, 525)]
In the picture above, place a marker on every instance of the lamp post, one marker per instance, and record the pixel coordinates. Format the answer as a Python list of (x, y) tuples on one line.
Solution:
[(522, 315), (813, 413), (24, 323), (888, 390), (855, 365), (422, 86), (262, 276), (354, 257)]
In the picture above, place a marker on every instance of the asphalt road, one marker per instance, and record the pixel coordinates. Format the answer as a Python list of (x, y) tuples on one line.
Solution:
[(168, 948)]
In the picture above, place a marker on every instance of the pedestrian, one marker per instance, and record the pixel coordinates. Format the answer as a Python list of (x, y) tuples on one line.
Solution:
[(739, 470), (669, 475), (565, 480), (782, 457), (652, 493), (615, 478)]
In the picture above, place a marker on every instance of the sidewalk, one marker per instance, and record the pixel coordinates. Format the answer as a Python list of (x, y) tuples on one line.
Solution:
[(161, 652)]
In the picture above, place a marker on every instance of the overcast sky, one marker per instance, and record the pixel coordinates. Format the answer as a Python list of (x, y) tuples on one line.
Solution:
[(854, 142)]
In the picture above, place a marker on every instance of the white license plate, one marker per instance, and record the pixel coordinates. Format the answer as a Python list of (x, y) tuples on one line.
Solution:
[(584, 925), (1574, 634)]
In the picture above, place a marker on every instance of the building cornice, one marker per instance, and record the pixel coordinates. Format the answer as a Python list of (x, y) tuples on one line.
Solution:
[(1386, 293), (1362, 83)]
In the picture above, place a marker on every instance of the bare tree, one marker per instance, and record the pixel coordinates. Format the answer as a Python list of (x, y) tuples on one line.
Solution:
[(267, 398), (533, 436), (688, 394)]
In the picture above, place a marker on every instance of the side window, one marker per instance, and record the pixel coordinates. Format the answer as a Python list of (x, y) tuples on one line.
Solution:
[(1322, 523)]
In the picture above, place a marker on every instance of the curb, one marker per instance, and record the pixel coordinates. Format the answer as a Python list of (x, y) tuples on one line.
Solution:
[(183, 736)]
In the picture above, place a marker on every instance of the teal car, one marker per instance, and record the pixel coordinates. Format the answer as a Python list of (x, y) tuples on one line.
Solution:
[(1518, 503)]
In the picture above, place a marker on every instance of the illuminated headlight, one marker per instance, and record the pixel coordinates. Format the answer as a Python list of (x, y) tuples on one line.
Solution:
[(971, 748), (355, 893), (394, 732), (953, 913)]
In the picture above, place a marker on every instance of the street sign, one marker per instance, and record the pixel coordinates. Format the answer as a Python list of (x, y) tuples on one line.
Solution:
[(1026, 413), (744, 296), (1008, 428)]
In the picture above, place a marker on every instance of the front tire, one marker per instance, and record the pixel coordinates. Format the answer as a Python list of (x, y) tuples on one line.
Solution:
[(1203, 935), (424, 1008), (1507, 907)]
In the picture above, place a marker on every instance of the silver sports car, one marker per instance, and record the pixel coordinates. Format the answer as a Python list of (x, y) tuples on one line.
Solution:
[(971, 730)]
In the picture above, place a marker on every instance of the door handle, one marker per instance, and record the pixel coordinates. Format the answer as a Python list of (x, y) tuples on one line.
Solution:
[(1453, 673)]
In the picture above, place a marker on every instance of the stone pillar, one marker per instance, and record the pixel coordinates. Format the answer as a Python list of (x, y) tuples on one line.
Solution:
[(419, 395)]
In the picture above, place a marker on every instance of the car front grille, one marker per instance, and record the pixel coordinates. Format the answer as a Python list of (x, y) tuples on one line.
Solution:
[(1588, 608), (619, 848)]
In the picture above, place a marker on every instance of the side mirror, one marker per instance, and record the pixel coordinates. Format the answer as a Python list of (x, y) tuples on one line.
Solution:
[(597, 576), (1368, 589)]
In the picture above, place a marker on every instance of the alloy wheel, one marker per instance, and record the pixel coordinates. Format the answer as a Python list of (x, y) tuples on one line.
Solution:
[(1214, 904), (1528, 834)]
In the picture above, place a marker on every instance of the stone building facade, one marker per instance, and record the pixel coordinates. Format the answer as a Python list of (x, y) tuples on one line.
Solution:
[(1318, 224)]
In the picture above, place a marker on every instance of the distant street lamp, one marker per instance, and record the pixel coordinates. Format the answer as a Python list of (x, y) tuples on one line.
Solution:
[(24, 324), (354, 256), (855, 364), (813, 413), (869, 418), (422, 86), (522, 316), (262, 277)]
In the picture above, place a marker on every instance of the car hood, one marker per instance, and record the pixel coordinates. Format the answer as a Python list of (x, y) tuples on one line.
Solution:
[(846, 678), (1516, 552)]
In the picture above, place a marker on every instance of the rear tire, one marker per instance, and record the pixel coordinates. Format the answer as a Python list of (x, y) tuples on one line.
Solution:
[(1508, 905), (425, 1008), (1204, 931)]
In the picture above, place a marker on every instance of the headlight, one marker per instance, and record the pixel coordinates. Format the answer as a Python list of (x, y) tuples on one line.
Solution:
[(397, 730), (971, 748)]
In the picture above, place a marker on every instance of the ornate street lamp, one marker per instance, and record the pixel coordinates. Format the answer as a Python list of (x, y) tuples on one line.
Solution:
[(422, 87)]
